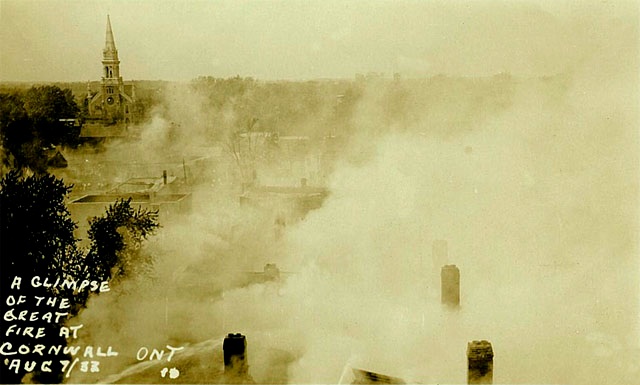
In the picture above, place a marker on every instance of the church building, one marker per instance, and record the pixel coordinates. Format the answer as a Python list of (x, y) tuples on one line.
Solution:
[(114, 104)]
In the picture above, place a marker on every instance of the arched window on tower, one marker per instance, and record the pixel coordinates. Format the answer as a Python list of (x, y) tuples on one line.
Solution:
[(106, 72)]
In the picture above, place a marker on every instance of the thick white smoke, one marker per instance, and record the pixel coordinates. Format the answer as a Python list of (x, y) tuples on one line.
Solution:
[(538, 202)]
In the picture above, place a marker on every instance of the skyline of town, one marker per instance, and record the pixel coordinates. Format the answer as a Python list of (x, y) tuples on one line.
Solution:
[(182, 40)]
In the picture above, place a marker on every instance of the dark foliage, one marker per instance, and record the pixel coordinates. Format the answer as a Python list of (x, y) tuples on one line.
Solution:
[(30, 124), (116, 239), (36, 239)]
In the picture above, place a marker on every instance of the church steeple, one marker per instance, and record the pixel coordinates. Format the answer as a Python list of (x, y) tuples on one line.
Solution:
[(110, 61), (114, 102), (110, 52)]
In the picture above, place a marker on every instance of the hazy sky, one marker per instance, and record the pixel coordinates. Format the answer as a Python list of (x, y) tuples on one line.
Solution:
[(179, 40)]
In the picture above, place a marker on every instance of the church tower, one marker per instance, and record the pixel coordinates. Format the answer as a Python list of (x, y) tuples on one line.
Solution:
[(112, 84), (114, 103)]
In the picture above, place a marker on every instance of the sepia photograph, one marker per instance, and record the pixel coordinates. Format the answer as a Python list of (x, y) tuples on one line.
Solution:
[(319, 192)]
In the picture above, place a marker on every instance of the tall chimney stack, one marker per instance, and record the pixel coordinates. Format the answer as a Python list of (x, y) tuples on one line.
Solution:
[(480, 362), (450, 285), (235, 355)]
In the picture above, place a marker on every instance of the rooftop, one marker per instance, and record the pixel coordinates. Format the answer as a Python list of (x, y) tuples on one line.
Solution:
[(135, 198)]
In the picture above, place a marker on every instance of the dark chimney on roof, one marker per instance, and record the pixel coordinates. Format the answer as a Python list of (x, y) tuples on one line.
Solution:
[(235, 355), (450, 285), (271, 272), (480, 362)]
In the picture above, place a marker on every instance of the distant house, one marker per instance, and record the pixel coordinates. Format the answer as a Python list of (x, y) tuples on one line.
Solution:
[(271, 273), (91, 205), (143, 185), (366, 377), (98, 130), (55, 159), (288, 203), (209, 282), (70, 122)]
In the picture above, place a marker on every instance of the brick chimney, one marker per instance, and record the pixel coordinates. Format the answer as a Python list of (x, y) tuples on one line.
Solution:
[(235, 355), (479, 362), (450, 285)]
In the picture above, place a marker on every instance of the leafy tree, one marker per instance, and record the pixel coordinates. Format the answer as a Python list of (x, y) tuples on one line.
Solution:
[(36, 239), (18, 135), (46, 105), (30, 123), (116, 240)]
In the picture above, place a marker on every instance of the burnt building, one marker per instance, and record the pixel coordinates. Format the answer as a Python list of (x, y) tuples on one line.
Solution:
[(288, 204), (91, 205), (270, 273), (366, 377)]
